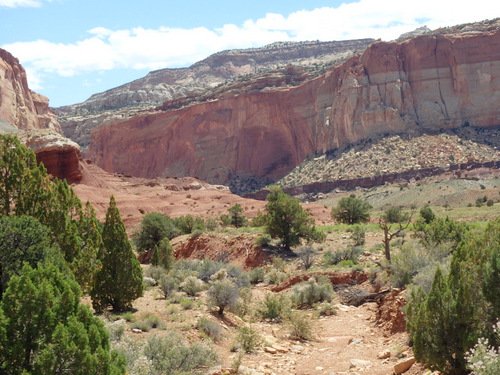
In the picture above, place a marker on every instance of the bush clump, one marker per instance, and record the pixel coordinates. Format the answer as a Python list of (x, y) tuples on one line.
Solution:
[(301, 326), (274, 307), (312, 291), (248, 339), (210, 329), (350, 253), (192, 286)]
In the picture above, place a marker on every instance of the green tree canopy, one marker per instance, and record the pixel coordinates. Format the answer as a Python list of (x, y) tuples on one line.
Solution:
[(236, 217), (45, 330), (27, 189), (119, 282), (22, 240), (351, 210), (287, 220), (163, 255), (154, 227)]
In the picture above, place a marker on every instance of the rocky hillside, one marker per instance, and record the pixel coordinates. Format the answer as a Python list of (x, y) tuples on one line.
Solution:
[(425, 84), (205, 79), (397, 154)]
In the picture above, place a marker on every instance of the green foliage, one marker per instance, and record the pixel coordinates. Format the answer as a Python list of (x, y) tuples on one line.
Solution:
[(287, 220), (154, 228), (44, 328), (301, 326), (223, 293), (256, 275), (210, 328), (260, 220), (27, 189), (394, 214), (427, 214), (168, 285), (358, 235), (440, 231), (192, 286), (189, 224), (119, 282), (490, 203), (306, 254), (170, 354), (307, 293), (349, 253), (460, 307), (263, 241), (22, 240), (236, 218), (248, 339), (351, 210), (163, 255), (274, 307)]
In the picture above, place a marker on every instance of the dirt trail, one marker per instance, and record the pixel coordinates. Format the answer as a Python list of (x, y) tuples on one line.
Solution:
[(347, 343)]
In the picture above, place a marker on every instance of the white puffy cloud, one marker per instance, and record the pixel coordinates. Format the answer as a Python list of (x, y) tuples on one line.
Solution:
[(21, 3), (143, 48)]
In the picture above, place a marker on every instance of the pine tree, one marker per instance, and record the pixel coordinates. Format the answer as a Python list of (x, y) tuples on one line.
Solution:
[(119, 282)]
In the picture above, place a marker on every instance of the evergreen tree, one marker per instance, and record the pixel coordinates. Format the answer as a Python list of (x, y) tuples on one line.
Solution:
[(154, 227), (27, 189), (237, 219), (45, 330), (287, 220), (163, 255), (119, 282), (351, 210)]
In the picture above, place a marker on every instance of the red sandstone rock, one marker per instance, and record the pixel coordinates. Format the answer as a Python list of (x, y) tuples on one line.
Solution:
[(424, 84), (19, 106)]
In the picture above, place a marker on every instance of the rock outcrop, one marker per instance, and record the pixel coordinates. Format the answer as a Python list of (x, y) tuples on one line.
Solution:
[(19, 106), (427, 83), (59, 155)]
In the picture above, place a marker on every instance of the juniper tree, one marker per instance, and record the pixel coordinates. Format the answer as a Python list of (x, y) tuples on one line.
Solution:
[(163, 255), (119, 282), (45, 330), (351, 210)]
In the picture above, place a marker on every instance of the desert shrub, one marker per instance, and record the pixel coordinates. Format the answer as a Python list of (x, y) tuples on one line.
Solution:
[(168, 285), (143, 325), (163, 254), (211, 224), (256, 275), (188, 224), (406, 264), (248, 339), (274, 307), (301, 326), (186, 303), (274, 277), (278, 263), (243, 305), (116, 330), (210, 328), (484, 358), (128, 316), (263, 241), (207, 267), (154, 322), (327, 309), (236, 273), (223, 293), (309, 292), (358, 235), (306, 254), (350, 253), (148, 282), (192, 286), (155, 272), (427, 214), (489, 203), (170, 354)]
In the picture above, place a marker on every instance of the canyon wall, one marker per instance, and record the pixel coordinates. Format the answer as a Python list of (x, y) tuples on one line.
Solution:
[(25, 113), (424, 84), (19, 106)]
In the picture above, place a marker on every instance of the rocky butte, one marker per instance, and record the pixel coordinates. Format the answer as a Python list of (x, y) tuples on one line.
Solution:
[(27, 114), (423, 84)]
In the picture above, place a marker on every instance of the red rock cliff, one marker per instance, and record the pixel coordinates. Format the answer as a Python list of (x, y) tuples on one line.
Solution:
[(424, 84), (19, 106)]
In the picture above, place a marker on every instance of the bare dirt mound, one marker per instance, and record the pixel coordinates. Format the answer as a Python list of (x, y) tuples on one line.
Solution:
[(235, 249)]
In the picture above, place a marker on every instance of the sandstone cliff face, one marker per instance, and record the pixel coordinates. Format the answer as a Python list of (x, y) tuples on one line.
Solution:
[(423, 84), (19, 106)]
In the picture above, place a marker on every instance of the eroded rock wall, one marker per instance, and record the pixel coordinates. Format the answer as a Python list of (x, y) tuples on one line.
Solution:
[(19, 106), (426, 83)]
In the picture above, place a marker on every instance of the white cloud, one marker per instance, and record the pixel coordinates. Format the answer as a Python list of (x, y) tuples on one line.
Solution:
[(21, 3), (142, 48)]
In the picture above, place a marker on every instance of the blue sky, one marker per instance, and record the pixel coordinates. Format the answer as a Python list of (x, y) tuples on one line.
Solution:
[(72, 49)]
